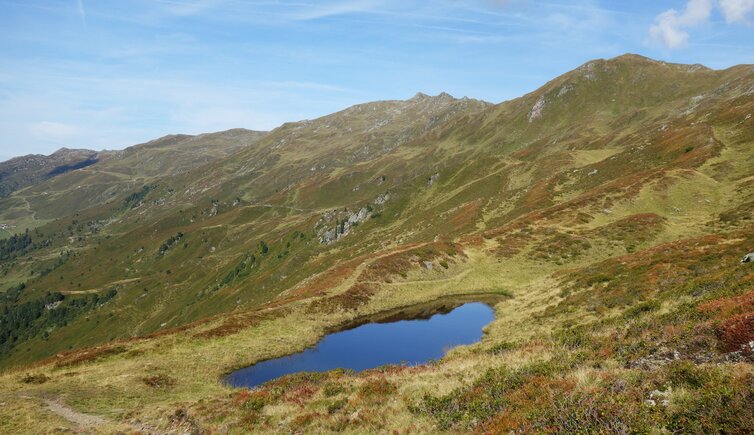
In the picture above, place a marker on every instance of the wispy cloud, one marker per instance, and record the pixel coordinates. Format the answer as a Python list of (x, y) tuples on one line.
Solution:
[(82, 11), (506, 3), (190, 7), (340, 8), (53, 131), (170, 44), (312, 86)]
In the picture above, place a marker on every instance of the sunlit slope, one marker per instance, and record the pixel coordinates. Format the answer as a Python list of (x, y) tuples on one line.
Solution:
[(20, 172), (59, 186), (612, 158)]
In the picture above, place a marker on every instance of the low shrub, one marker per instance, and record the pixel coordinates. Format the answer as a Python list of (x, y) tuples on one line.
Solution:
[(303, 420), (160, 381), (336, 406), (38, 378), (723, 406), (596, 411), (333, 389), (573, 338), (473, 404), (252, 400), (642, 308), (377, 390), (88, 355), (500, 348)]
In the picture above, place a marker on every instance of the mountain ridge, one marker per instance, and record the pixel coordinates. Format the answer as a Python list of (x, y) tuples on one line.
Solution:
[(105, 174), (610, 205), (352, 136)]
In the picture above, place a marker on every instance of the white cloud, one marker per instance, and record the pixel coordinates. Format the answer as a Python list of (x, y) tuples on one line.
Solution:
[(669, 25), (736, 11)]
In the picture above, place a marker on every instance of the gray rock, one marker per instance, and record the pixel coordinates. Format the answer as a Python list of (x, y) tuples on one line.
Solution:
[(662, 396), (382, 198), (662, 357), (536, 110), (359, 216), (329, 236)]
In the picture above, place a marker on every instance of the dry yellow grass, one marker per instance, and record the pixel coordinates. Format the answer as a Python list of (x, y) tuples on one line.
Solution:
[(112, 388)]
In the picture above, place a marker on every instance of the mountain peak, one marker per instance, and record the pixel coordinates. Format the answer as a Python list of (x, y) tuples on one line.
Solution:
[(64, 151), (420, 96), (633, 59)]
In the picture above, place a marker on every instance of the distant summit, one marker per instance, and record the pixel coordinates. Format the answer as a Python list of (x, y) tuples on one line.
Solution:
[(20, 172)]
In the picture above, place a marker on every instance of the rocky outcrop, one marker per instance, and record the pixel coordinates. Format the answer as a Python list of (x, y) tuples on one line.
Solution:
[(335, 224), (657, 359), (344, 222), (381, 199), (536, 110)]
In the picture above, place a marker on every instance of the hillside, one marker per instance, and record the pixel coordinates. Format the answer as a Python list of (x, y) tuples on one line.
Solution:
[(608, 209), (20, 172), (50, 187)]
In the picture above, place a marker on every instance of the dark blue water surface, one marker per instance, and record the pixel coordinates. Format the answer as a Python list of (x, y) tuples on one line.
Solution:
[(376, 344)]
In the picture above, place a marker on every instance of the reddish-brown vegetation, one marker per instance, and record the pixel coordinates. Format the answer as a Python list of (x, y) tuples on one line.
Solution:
[(159, 381), (351, 299), (541, 194), (737, 333), (399, 263), (466, 216), (512, 243), (239, 322), (633, 230), (694, 266), (727, 307), (87, 355), (328, 279), (558, 246), (735, 321), (376, 390)]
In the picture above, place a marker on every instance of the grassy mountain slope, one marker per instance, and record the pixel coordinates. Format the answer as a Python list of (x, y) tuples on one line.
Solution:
[(71, 180), (131, 243), (608, 208), (20, 172)]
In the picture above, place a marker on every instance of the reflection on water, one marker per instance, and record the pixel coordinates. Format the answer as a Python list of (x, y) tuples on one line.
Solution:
[(428, 335)]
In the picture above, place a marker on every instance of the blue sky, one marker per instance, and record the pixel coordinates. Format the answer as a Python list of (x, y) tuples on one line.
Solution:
[(107, 74)]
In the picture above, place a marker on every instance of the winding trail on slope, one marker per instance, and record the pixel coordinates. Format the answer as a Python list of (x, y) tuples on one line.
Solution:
[(85, 421), (89, 422), (99, 289)]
